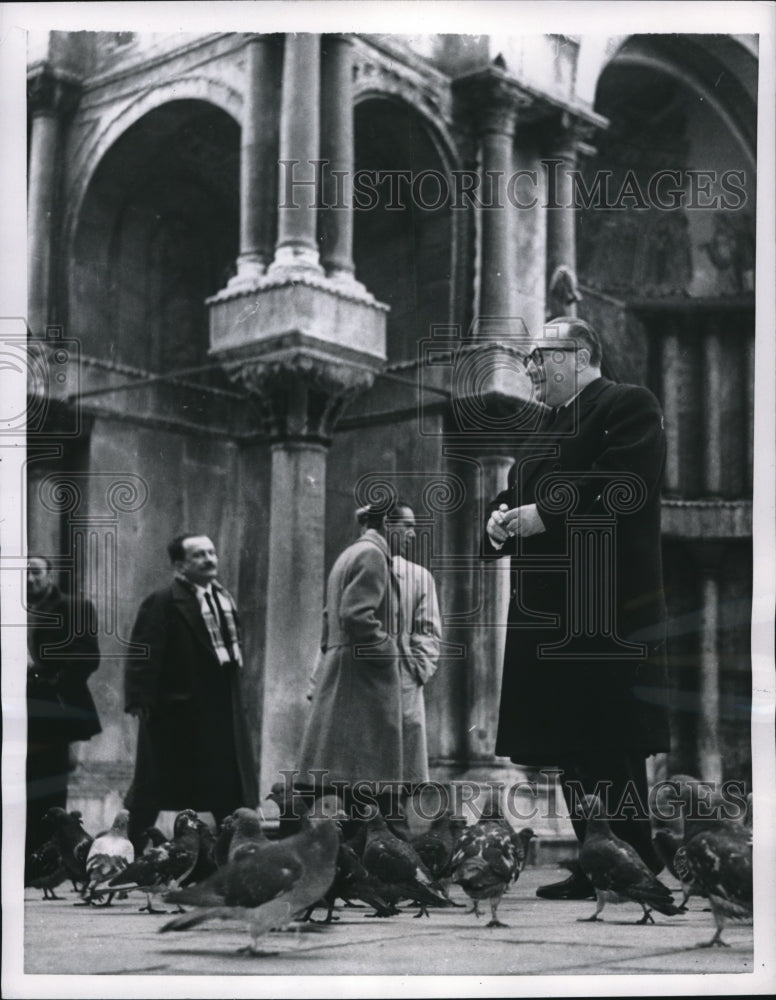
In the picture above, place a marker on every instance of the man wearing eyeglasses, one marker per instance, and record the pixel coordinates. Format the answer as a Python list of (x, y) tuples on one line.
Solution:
[(584, 686)]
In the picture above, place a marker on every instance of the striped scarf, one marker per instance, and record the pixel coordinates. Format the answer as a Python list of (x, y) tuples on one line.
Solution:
[(220, 619)]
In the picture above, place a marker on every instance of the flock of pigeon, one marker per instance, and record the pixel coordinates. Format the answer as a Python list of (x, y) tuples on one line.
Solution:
[(241, 874)]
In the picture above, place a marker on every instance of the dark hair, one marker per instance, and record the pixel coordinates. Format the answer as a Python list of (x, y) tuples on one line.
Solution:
[(371, 516), (397, 505), (40, 558), (176, 550), (374, 515), (579, 329)]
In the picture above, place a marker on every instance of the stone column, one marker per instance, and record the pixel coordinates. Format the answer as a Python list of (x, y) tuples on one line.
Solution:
[(563, 157), (713, 413), (297, 533), (335, 222), (709, 753), (486, 649), (50, 97), (258, 158), (484, 384), (300, 191), (302, 401), (497, 294), (672, 389)]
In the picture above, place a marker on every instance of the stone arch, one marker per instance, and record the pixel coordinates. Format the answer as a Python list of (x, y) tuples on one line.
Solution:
[(156, 234), (393, 134), (685, 104), (89, 156)]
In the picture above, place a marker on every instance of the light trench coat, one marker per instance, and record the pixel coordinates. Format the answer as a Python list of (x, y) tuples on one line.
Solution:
[(419, 638), (379, 645)]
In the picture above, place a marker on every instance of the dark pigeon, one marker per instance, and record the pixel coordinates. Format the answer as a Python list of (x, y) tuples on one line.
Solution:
[(352, 884), (718, 863), (205, 864), (396, 863), (72, 840), (617, 871), (44, 869), (436, 845)]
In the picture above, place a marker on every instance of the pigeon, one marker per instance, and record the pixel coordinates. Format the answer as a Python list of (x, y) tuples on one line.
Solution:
[(72, 840), (396, 863), (617, 871), (353, 882), (205, 864), (246, 829), (521, 840), (110, 853), (152, 837), (436, 845), (266, 883), (490, 855), (45, 869), (292, 805), (718, 864), (666, 843), (165, 864), (223, 840)]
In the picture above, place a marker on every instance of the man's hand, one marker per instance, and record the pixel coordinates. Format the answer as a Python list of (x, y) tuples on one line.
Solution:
[(496, 527), (505, 523)]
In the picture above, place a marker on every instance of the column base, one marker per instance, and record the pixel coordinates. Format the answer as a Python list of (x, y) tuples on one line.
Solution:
[(291, 259)]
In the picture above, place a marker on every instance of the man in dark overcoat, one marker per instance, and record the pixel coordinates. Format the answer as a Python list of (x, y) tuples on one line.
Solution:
[(62, 653), (584, 686), (193, 748)]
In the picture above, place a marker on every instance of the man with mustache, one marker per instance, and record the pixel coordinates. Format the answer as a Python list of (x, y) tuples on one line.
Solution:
[(183, 683)]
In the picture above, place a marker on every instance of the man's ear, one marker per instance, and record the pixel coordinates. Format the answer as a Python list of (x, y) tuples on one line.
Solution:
[(583, 358)]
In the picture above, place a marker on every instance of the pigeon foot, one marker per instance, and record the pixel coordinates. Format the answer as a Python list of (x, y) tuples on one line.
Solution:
[(149, 909), (589, 920), (251, 949), (646, 919), (496, 923)]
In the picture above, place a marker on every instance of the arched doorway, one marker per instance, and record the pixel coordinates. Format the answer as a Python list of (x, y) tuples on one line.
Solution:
[(156, 235)]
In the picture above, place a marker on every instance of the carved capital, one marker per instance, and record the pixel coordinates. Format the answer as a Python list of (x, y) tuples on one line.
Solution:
[(51, 91), (492, 100), (567, 136), (300, 394)]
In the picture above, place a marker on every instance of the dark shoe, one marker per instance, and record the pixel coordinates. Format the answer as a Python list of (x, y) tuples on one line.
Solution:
[(576, 886)]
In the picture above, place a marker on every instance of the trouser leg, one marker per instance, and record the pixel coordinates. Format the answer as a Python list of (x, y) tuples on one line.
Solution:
[(140, 818), (47, 771), (620, 779)]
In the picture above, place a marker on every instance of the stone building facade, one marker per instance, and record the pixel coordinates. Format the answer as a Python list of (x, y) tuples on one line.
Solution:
[(260, 266)]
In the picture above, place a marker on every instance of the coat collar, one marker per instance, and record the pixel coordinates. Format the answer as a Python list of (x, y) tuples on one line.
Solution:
[(187, 603), (373, 536)]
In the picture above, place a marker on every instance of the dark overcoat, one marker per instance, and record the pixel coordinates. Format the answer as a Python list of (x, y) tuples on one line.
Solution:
[(354, 730), (63, 650), (584, 664), (193, 748)]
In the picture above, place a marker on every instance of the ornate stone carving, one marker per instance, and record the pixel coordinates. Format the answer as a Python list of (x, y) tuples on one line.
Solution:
[(300, 395), (492, 99)]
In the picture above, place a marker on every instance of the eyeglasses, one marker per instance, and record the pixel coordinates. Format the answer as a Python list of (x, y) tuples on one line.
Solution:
[(536, 357)]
